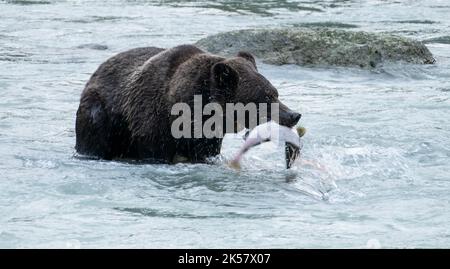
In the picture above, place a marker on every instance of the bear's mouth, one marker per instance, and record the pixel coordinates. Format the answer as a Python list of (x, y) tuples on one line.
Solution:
[(239, 127)]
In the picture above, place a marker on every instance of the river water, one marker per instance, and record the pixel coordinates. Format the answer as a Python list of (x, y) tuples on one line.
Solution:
[(380, 137)]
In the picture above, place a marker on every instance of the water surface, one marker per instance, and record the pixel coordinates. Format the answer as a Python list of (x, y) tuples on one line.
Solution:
[(381, 136)]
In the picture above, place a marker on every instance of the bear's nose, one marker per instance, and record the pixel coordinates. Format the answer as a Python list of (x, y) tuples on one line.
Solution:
[(295, 117)]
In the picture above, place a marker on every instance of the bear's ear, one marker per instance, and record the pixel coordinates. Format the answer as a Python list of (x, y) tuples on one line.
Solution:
[(226, 79), (248, 56)]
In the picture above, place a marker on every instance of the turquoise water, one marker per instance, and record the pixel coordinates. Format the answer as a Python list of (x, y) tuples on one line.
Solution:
[(380, 137)]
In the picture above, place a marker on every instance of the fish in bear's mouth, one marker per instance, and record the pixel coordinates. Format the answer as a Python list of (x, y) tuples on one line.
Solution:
[(261, 134)]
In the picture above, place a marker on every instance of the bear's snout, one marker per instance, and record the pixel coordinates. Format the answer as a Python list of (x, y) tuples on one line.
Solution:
[(289, 118), (292, 118), (295, 117)]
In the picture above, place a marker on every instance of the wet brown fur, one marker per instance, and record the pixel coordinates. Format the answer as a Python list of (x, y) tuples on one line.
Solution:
[(125, 107)]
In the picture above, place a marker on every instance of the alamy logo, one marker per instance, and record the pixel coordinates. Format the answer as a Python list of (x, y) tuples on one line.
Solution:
[(191, 124)]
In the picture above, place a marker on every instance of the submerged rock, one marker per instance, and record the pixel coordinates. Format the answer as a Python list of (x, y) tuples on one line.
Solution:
[(92, 46), (319, 46), (326, 24), (439, 40), (28, 2)]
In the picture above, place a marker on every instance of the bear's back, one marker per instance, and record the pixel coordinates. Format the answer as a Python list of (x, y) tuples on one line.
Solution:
[(112, 73), (143, 96)]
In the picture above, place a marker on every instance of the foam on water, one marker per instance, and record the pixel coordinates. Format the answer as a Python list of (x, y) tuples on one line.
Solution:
[(377, 143)]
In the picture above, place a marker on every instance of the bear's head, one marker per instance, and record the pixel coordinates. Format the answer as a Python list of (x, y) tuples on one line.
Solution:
[(237, 80)]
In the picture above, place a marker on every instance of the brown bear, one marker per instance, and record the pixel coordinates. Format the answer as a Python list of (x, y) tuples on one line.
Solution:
[(125, 108)]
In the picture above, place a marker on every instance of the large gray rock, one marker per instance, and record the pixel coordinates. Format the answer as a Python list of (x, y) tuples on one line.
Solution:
[(319, 46)]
